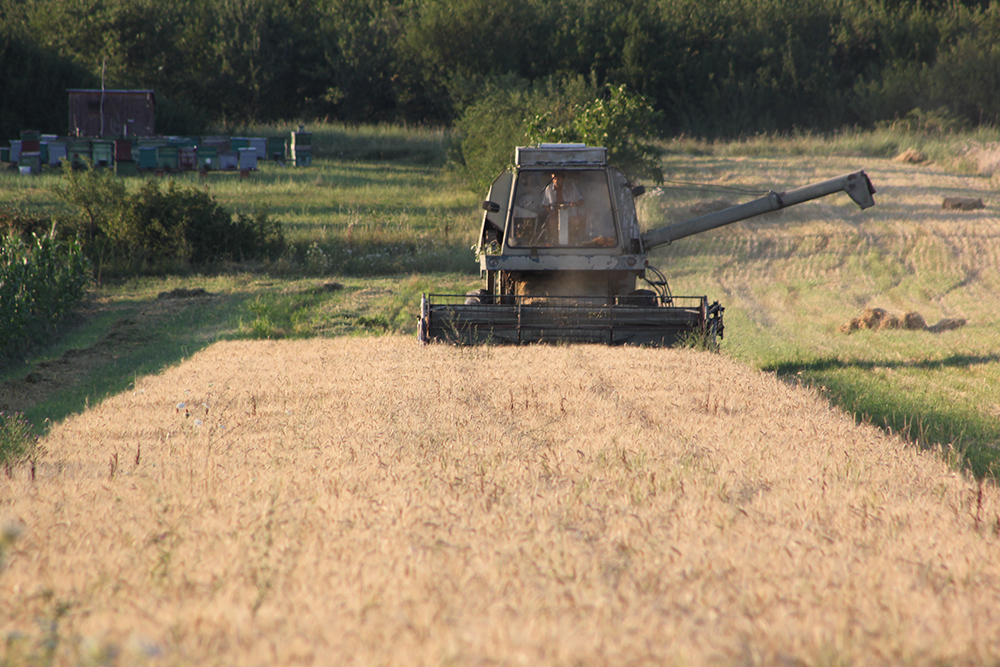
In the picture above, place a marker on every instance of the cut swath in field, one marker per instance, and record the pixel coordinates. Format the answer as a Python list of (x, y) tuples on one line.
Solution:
[(362, 501)]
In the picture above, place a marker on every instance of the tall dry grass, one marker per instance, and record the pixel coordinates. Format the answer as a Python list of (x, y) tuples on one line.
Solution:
[(368, 501)]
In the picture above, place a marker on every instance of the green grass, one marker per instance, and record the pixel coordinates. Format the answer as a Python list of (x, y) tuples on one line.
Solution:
[(382, 215)]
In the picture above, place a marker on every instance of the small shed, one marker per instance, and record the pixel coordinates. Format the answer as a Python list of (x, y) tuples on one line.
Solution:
[(113, 113)]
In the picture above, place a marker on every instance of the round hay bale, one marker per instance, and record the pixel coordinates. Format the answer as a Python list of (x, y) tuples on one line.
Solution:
[(890, 322), (962, 203), (911, 156), (947, 324), (872, 318), (850, 327), (914, 321)]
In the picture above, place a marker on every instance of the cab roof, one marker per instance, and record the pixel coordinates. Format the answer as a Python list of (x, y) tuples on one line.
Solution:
[(569, 155)]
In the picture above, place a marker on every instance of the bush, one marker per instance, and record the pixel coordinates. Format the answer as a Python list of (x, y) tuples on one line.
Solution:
[(512, 115), (157, 228)]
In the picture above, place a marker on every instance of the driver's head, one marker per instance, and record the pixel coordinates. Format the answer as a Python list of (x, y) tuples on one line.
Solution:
[(557, 179)]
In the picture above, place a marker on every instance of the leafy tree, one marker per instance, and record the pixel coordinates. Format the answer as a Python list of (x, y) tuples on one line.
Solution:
[(35, 80), (501, 119), (621, 121)]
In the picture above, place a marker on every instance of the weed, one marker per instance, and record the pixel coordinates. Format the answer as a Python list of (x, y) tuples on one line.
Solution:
[(18, 442)]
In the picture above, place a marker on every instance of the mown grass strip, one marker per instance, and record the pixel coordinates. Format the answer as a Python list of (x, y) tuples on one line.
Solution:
[(927, 416)]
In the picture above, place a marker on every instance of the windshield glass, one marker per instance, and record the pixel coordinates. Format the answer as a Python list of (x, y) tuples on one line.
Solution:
[(562, 208)]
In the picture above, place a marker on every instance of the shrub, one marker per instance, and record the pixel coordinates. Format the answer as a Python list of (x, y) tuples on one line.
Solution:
[(158, 228), (501, 119)]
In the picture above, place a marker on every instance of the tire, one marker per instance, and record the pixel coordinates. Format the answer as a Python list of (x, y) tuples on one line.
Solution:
[(644, 298), (478, 297)]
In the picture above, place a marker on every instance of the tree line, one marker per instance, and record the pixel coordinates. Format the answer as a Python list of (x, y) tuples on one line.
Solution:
[(717, 68)]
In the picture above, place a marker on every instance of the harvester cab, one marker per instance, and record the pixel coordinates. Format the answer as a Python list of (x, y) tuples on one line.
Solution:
[(561, 252)]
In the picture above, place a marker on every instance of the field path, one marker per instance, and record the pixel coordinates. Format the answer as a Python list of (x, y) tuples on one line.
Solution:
[(369, 501)]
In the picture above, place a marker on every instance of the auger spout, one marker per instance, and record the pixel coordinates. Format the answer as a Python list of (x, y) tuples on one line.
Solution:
[(856, 185)]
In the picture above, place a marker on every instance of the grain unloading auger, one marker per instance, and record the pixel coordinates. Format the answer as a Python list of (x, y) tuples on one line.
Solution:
[(561, 251)]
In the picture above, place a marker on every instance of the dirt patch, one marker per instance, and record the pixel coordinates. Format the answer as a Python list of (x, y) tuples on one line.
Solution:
[(878, 319), (183, 293), (74, 366)]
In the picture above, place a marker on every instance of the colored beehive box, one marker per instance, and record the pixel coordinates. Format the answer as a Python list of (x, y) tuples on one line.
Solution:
[(276, 148), (208, 158), (103, 153), (126, 168), (78, 153), (229, 160), (166, 158), (57, 153), (123, 150), (187, 158), (248, 158), (147, 157)]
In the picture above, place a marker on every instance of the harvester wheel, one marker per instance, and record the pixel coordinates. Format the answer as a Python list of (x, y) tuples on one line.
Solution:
[(477, 297), (641, 297)]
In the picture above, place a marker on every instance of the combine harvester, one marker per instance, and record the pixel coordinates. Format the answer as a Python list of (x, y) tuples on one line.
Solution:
[(561, 251)]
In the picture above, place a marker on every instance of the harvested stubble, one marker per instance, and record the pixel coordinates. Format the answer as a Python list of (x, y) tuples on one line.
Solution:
[(368, 501)]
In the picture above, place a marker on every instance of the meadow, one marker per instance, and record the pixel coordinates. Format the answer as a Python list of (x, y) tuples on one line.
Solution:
[(364, 501)]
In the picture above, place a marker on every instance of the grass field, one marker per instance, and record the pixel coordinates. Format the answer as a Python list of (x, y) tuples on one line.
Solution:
[(362, 501)]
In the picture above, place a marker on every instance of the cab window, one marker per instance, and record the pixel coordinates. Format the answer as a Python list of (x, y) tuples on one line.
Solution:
[(562, 208)]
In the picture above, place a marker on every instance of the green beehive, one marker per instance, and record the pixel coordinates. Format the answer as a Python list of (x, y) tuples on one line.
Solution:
[(126, 168), (166, 158), (237, 143), (275, 148), (208, 158), (78, 153), (103, 153), (4, 155), (147, 157), (32, 162)]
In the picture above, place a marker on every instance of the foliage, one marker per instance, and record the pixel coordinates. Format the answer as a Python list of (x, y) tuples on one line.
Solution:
[(156, 228), (711, 69), (40, 282), (512, 114), (622, 122), (35, 79), (17, 443), (502, 119)]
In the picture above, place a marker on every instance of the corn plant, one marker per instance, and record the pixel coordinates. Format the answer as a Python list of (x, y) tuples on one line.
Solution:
[(40, 281)]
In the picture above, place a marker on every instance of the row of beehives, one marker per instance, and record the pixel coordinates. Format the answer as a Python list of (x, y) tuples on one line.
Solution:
[(35, 151)]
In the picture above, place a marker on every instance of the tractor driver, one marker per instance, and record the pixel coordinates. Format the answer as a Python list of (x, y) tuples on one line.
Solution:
[(559, 198)]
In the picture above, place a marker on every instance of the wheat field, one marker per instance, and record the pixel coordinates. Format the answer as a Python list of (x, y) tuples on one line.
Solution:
[(372, 502)]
